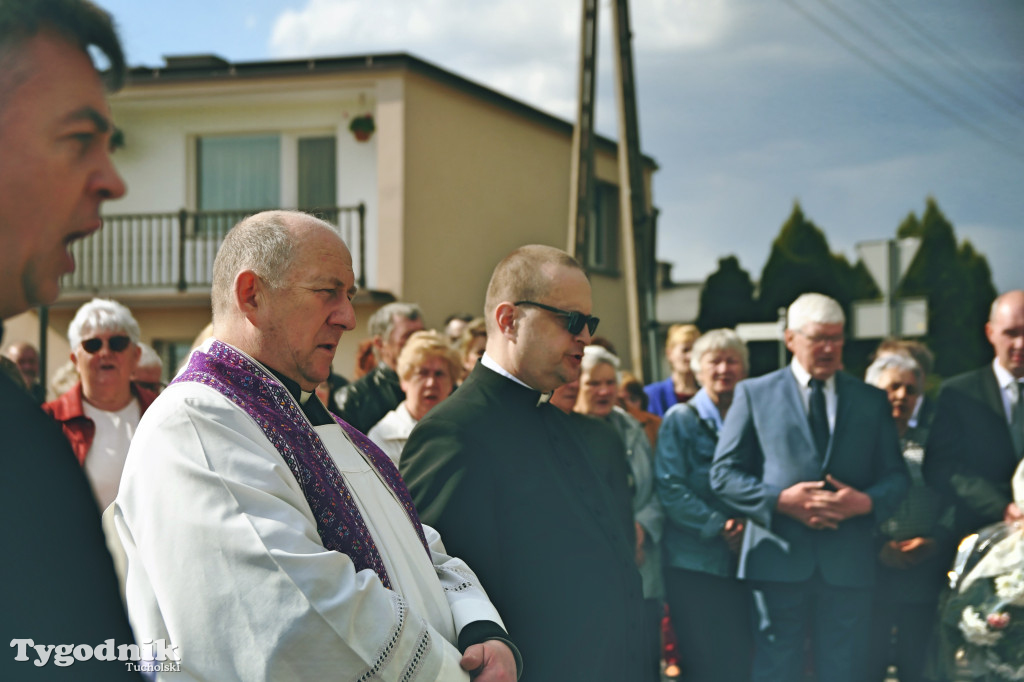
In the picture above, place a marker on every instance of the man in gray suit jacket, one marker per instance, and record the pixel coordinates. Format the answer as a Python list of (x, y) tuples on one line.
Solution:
[(978, 432), (813, 456)]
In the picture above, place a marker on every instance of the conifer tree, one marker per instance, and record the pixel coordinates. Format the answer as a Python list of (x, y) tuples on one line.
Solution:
[(957, 282), (727, 297)]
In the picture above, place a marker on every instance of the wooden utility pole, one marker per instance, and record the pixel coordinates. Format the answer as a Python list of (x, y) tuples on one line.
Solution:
[(635, 219), (581, 200)]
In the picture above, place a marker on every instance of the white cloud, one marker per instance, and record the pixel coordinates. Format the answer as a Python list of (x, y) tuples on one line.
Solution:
[(525, 48), (745, 105)]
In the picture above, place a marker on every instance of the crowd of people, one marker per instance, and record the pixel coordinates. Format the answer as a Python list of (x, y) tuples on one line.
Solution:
[(496, 500)]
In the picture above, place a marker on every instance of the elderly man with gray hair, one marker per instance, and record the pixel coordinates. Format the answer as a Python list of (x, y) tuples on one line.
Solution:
[(100, 413), (364, 402), (812, 455), (267, 539)]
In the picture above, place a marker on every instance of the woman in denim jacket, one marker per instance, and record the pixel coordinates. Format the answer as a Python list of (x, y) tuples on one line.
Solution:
[(710, 608)]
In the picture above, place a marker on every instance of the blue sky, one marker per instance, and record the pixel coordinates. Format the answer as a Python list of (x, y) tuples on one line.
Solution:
[(858, 109)]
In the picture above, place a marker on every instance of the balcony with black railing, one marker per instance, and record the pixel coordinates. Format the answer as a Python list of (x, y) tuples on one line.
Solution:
[(173, 252)]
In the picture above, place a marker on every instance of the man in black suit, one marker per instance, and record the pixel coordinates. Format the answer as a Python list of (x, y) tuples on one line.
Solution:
[(978, 431), (365, 401), (57, 584), (508, 479)]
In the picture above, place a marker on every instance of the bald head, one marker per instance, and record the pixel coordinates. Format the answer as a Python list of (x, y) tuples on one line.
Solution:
[(267, 244), (525, 274), (534, 293), (283, 288), (1005, 331), (25, 356)]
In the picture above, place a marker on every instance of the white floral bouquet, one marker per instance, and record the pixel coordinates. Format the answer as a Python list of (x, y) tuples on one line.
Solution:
[(984, 616)]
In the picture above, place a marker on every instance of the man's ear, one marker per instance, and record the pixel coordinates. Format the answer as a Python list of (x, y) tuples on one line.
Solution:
[(248, 290), (789, 335), (505, 316)]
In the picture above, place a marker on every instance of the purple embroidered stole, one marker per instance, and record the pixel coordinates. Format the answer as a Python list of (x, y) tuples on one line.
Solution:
[(262, 397)]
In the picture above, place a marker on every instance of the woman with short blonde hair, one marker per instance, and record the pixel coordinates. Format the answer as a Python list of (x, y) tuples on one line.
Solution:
[(428, 368)]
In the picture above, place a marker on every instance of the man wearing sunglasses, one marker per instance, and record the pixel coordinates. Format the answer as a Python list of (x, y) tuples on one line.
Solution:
[(100, 413), (510, 482)]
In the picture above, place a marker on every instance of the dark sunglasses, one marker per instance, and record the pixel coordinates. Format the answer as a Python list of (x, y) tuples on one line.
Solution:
[(576, 320), (116, 343)]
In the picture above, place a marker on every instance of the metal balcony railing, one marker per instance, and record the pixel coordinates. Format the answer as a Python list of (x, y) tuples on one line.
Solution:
[(175, 251)]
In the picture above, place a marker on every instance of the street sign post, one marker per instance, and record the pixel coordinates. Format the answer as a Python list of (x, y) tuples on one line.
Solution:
[(887, 261)]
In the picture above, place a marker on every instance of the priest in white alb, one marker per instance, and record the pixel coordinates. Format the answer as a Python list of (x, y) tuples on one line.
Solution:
[(267, 539)]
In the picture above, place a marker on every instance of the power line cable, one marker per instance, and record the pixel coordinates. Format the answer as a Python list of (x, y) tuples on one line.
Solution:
[(918, 71), (1003, 145), (968, 70)]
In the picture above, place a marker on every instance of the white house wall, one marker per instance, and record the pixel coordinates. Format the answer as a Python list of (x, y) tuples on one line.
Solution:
[(161, 128)]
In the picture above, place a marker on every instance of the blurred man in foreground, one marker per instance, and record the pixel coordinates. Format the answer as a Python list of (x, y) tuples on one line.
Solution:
[(57, 584)]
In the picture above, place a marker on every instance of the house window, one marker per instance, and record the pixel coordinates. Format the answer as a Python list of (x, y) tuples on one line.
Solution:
[(173, 355), (246, 173), (318, 186), (239, 172), (603, 237)]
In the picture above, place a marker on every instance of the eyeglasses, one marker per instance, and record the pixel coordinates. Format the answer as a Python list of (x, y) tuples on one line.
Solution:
[(116, 344), (834, 339), (576, 320)]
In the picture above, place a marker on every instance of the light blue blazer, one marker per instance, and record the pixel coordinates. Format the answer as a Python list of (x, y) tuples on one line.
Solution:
[(766, 446)]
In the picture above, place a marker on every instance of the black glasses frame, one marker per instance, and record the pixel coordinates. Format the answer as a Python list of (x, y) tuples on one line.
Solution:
[(576, 320), (116, 343)]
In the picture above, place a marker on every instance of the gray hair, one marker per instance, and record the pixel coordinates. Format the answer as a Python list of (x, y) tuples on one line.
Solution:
[(715, 340), (149, 357), (888, 361), (262, 243), (813, 309), (102, 315), (382, 322), (596, 355)]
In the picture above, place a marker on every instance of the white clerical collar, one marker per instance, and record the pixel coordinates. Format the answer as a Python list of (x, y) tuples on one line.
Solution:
[(803, 377), (1003, 376), (492, 364)]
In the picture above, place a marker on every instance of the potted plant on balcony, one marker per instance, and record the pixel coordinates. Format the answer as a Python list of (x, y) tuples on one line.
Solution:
[(362, 127)]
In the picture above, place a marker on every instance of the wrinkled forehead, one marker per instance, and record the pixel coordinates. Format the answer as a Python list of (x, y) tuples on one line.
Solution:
[(321, 253)]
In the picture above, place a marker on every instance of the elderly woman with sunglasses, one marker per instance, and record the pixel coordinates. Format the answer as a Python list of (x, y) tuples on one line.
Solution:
[(100, 412)]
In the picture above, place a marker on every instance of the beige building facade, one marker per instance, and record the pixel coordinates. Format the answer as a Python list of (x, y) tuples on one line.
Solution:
[(453, 177)]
